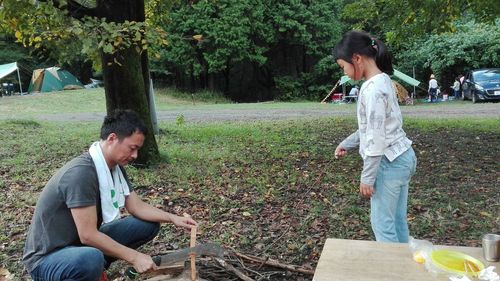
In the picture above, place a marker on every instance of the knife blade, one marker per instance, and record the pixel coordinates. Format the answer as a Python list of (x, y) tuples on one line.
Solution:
[(205, 249)]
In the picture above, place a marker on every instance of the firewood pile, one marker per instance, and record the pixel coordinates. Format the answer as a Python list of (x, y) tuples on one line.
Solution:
[(237, 266)]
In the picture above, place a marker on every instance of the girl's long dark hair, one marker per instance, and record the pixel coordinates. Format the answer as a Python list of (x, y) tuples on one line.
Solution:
[(362, 43)]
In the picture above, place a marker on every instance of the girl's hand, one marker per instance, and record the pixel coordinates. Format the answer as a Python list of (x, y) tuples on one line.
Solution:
[(366, 190), (340, 152)]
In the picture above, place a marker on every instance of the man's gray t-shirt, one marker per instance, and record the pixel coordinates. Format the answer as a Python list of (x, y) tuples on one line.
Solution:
[(52, 227)]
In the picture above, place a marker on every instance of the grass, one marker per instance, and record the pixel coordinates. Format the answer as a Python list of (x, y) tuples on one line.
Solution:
[(258, 183), (166, 95), (93, 101)]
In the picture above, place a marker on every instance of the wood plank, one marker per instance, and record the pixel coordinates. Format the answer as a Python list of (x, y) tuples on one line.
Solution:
[(354, 260)]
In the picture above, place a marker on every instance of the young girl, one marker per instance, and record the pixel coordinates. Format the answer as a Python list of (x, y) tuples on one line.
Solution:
[(388, 158)]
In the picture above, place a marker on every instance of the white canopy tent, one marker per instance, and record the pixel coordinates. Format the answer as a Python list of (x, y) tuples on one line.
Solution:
[(6, 69)]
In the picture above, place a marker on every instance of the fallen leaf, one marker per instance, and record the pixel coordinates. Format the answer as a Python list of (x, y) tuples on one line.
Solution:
[(5, 274), (485, 214)]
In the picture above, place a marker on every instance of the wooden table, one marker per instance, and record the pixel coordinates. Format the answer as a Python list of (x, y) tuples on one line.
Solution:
[(353, 260)]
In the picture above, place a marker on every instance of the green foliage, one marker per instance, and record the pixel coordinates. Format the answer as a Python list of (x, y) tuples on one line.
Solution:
[(289, 88), (11, 51), (180, 120), (227, 29), (473, 45), (293, 89), (50, 27), (403, 20), (234, 36), (14, 52)]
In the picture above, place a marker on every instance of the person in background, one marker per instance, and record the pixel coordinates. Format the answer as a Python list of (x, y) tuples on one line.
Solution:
[(354, 91), (456, 88), (77, 229), (433, 88), (388, 158), (353, 94)]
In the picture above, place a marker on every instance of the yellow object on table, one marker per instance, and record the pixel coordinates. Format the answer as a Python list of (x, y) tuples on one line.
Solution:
[(355, 260), (418, 257), (456, 262)]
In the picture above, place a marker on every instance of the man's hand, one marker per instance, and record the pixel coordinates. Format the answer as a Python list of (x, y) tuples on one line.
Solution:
[(143, 263), (366, 190), (185, 222), (340, 152)]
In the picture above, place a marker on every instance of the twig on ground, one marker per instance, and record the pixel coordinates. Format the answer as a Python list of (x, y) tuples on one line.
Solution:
[(231, 268), (275, 263)]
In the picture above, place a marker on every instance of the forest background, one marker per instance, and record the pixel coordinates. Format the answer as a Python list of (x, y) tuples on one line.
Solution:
[(259, 50), (270, 188)]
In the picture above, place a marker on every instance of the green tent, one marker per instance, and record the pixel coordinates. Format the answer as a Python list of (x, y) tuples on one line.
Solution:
[(53, 79), (398, 74)]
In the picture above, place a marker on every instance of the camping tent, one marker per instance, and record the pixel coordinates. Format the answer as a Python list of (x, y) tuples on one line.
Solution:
[(6, 69), (53, 79)]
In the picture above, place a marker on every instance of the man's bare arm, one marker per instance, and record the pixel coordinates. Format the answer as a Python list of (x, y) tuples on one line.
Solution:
[(144, 211), (86, 221)]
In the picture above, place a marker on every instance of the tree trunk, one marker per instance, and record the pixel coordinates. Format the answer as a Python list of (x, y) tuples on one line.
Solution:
[(127, 82), (125, 89)]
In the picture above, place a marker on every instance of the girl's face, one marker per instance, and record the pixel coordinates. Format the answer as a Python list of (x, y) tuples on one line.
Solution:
[(353, 70)]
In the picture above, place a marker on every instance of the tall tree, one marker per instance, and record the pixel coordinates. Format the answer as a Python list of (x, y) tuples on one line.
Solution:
[(114, 30)]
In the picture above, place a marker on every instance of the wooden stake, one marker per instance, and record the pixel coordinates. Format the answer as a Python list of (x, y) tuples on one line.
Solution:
[(193, 256)]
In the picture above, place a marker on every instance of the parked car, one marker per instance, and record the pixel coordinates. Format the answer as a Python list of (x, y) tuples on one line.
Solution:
[(482, 85)]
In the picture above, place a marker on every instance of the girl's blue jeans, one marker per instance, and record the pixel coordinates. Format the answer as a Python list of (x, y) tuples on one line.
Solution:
[(82, 263), (389, 203)]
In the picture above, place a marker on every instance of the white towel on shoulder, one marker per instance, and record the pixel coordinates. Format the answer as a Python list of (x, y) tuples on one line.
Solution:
[(112, 192)]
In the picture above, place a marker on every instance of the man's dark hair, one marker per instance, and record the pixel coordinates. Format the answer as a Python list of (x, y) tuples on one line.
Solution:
[(122, 122), (362, 43)]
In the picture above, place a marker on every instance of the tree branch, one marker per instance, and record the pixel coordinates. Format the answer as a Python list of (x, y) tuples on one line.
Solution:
[(231, 268), (275, 263)]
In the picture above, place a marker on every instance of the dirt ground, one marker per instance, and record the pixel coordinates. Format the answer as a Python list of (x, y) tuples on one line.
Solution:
[(454, 196), (441, 110)]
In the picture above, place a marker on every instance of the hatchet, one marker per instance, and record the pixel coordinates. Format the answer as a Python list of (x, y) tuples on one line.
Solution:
[(206, 249)]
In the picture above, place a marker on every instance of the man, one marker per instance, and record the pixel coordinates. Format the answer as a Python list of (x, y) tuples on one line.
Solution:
[(456, 88), (353, 94), (354, 91), (67, 239)]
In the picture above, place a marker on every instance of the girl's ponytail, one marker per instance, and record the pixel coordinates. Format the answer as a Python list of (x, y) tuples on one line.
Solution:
[(383, 58), (359, 42)]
